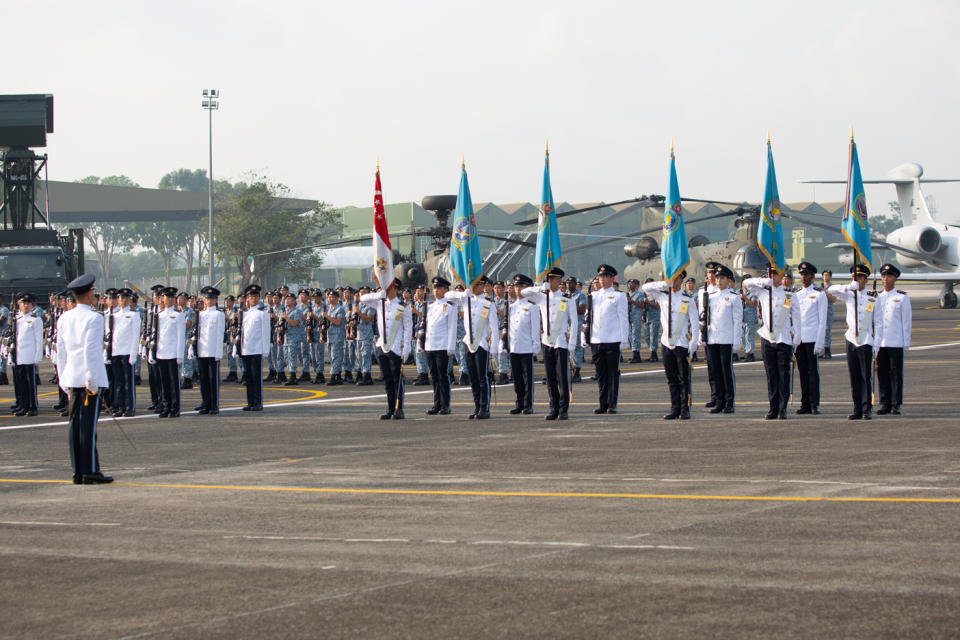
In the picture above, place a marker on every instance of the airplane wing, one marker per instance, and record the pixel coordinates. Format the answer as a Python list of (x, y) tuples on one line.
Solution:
[(943, 276)]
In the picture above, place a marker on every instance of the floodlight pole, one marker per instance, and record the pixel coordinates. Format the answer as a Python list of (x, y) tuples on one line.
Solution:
[(210, 103)]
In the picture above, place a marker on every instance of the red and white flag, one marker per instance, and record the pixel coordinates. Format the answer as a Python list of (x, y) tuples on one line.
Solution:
[(382, 253)]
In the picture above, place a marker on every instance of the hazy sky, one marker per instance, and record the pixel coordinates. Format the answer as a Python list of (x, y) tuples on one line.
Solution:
[(314, 92)]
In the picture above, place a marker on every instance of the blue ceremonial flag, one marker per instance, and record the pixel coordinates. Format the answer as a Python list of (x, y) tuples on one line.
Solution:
[(549, 252), (465, 261), (855, 227), (770, 230), (673, 249)]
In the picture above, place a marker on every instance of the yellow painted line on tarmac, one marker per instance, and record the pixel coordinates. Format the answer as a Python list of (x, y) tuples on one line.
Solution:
[(502, 494), (312, 395)]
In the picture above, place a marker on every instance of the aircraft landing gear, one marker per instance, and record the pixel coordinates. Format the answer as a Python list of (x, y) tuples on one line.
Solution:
[(948, 299)]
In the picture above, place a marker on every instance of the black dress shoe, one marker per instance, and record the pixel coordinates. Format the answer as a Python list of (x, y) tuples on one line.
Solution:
[(398, 414), (96, 478), (599, 410), (200, 408), (151, 407), (716, 410), (203, 412), (433, 411), (685, 414), (213, 412), (256, 407), (895, 410), (483, 415), (64, 413), (783, 415), (855, 416), (866, 415), (562, 416), (164, 414), (445, 411), (528, 412), (515, 411), (673, 415), (711, 404), (551, 416), (884, 410), (728, 409), (815, 411), (77, 478), (611, 410), (472, 416), (773, 415), (803, 410), (247, 408), (386, 416), (174, 414)]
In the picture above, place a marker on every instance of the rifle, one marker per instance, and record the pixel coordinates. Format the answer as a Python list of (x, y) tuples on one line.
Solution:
[(505, 334), (281, 327), (109, 345), (705, 318), (324, 327), (588, 318), (155, 339)]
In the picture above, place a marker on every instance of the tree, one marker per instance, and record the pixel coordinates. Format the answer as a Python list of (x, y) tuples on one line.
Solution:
[(107, 238), (252, 222), (166, 238)]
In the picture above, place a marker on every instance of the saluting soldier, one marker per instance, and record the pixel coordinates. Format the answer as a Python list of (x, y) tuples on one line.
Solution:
[(83, 375), (703, 304), (211, 324), (481, 338), (863, 333), (812, 328), (609, 334), (395, 323), (255, 345), (724, 330), (521, 342), (895, 317), (558, 332), (125, 337), (439, 343), (778, 337), (679, 337)]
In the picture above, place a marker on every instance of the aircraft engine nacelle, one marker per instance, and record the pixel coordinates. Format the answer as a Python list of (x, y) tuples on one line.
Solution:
[(917, 237), (643, 249), (845, 257)]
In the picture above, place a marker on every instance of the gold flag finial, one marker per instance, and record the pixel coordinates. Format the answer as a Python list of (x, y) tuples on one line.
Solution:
[(463, 162), (547, 148), (671, 145), (768, 136), (851, 133), (378, 164)]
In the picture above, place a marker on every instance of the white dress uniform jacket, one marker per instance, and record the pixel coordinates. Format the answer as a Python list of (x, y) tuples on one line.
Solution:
[(789, 324), (726, 318), (689, 335), (80, 349), (813, 316), (490, 339), (568, 334), (523, 326), (256, 331), (864, 312), (896, 317), (29, 338), (441, 326), (611, 317), (126, 333), (212, 325), (387, 316), (171, 335)]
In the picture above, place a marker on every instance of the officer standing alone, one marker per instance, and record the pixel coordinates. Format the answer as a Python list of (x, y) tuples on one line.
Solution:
[(254, 346), (724, 330), (211, 324), (895, 317)]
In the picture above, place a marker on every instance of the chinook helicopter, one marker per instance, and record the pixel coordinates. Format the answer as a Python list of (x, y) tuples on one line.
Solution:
[(740, 252)]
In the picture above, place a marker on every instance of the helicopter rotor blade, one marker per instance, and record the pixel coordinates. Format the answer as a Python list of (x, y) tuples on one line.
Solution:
[(643, 232), (530, 221), (511, 240)]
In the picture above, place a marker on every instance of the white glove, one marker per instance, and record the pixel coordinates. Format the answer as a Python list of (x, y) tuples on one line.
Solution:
[(406, 354), (818, 351), (179, 362), (91, 387), (150, 359), (133, 359)]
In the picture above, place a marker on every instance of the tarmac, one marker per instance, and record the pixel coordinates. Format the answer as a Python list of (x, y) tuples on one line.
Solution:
[(315, 519)]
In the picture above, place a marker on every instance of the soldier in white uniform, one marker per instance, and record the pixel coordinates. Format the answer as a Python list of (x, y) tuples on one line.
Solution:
[(895, 316), (395, 322), (255, 345), (559, 332), (724, 330), (481, 337), (609, 332), (813, 305), (703, 296), (778, 337), (440, 343), (521, 339), (211, 323), (125, 341), (25, 352), (83, 375), (863, 332), (680, 336), (171, 337)]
